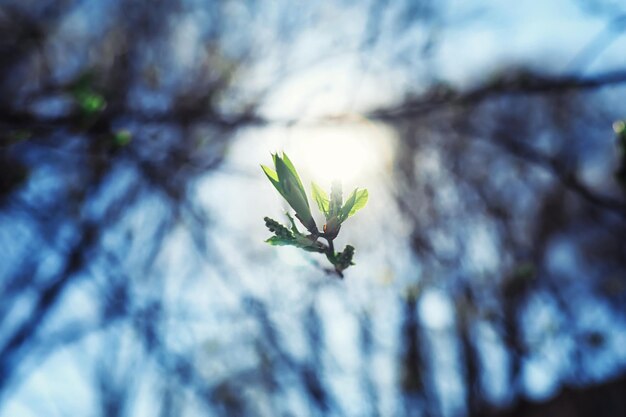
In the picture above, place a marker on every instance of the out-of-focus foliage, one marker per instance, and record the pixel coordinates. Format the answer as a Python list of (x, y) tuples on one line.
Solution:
[(491, 262)]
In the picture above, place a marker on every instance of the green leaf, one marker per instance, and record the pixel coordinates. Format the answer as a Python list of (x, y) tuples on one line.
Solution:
[(89, 101), (360, 202), (356, 201), (286, 180), (280, 241), (278, 229), (271, 174), (293, 171), (288, 184), (273, 177), (321, 198), (282, 235), (291, 190), (122, 137), (345, 210), (299, 241), (303, 242), (292, 176)]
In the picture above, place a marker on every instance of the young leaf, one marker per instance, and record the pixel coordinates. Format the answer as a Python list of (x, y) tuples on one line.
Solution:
[(293, 171), (345, 210), (289, 187), (122, 138), (299, 241), (280, 241), (278, 229), (288, 182), (356, 201), (360, 202), (273, 177), (271, 174), (288, 176), (321, 198), (303, 242)]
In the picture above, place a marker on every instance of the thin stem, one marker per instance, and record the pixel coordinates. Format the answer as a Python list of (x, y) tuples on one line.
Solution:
[(331, 247), (330, 254)]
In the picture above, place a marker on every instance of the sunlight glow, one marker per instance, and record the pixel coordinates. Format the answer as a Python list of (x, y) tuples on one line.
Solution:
[(350, 152)]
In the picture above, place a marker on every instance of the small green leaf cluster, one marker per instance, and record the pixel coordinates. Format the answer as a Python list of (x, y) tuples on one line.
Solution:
[(285, 237), (344, 259), (122, 138), (89, 101), (287, 182), (332, 208)]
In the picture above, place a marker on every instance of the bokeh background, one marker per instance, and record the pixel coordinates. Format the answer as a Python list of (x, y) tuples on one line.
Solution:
[(490, 275)]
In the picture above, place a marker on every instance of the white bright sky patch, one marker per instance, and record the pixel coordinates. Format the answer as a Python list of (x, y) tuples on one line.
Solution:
[(540, 378), (338, 87), (350, 153), (436, 310), (357, 152)]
